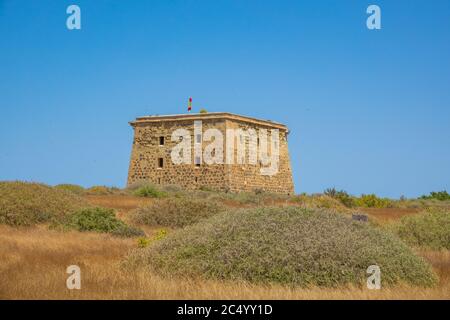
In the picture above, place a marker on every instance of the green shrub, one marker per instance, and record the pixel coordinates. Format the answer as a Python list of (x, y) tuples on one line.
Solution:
[(79, 190), (290, 246), (25, 204), (440, 195), (161, 234), (372, 201), (144, 242), (175, 212), (149, 191), (100, 220), (341, 195), (431, 229)]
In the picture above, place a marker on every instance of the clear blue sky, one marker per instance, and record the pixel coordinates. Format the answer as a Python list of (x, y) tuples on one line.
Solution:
[(369, 111)]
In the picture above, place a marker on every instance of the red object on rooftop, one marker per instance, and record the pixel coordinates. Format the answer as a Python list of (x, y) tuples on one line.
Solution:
[(190, 104)]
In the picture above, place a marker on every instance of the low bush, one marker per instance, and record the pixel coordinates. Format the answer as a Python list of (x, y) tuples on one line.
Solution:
[(175, 212), (79, 190), (430, 229), (149, 191), (341, 195), (372, 201), (25, 204), (440, 195), (100, 220), (290, 246), (144, 242)]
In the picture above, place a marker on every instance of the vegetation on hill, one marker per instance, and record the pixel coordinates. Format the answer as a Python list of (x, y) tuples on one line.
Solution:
[(25, 204), (430, 229), (440, 195), (176, 212), (289, 245), (372, 201), (74, 188), (257, 197), (319, 201), (103, 191), (149, 191), (341, 195), (364, 201), (99, 220)]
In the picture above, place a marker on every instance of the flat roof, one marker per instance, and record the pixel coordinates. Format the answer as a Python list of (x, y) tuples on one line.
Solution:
[(207, 116)]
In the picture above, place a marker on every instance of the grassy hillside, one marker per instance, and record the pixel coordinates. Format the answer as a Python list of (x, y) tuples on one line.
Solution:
[(207, 244), (25, 204), (34, 261)]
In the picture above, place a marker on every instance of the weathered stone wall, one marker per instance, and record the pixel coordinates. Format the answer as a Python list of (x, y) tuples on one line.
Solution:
[(248, 177), (147, 151)]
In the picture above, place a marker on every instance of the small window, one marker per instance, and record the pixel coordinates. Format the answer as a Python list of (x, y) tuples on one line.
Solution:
[(198, 138), (160, 162), (197, 161), (161, 141), (159, 180), (196, 179)]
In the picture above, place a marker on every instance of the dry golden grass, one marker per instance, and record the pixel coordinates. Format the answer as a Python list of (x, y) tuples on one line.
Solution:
[(386, 215), (123, 203), (34, 261), (33, 264)]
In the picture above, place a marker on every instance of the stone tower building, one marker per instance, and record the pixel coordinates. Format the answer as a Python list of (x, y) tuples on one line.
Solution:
[(220, 151)]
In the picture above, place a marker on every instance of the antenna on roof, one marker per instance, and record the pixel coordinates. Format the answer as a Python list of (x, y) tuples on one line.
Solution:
[(190, 104)]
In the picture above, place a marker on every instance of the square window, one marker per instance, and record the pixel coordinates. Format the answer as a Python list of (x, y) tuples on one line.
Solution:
[(160, 162)]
